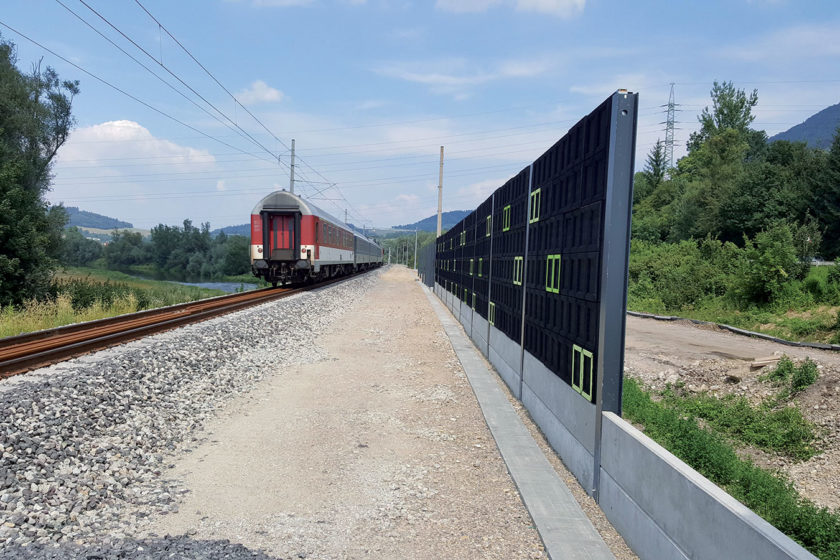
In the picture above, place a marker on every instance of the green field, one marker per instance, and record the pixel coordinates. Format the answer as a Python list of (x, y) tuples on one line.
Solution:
[(87, 294)]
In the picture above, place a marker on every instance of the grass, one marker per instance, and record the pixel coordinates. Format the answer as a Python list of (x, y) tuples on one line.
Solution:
[(82, 294), (769, 494)]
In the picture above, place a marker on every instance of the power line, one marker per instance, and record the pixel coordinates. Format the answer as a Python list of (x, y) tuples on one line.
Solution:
[(149, 70), (112, 86), (163, 27), (144, 51)]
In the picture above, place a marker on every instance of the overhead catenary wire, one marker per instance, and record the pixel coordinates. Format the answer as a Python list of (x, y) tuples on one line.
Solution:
[(248, 111), (120, 90), (160, 63), (149, 70)]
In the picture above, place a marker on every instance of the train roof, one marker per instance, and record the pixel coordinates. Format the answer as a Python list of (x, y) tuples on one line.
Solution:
[(285, 200)]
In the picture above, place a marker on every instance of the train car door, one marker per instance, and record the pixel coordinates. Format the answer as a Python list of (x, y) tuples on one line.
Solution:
[(283, 236)]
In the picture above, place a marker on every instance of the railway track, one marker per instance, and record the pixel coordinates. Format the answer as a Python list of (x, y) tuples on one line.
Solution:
[(28, 351)]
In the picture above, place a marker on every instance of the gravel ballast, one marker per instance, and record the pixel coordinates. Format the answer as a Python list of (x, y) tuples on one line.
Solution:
[(85, 445)]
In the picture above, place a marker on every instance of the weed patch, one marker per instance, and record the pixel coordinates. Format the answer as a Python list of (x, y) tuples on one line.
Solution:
[(770, 495), (793, 378), (783, 430)]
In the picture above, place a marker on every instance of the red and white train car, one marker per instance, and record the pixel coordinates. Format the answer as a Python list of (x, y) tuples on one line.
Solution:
[(293, 240)]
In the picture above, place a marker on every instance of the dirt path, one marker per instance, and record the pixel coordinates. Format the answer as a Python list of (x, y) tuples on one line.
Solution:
[(379, 451), (660, 352)]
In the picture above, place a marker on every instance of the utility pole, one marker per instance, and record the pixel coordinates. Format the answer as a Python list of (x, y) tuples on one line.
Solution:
[(389, 255), (292, 173), (669, 129), (415, 248), (440, 193), (345, 216)]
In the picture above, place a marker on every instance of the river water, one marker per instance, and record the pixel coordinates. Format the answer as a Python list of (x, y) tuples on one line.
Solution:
[(228, 287)]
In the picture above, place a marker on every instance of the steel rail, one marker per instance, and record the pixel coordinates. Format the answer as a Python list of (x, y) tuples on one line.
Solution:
[(28, 351)]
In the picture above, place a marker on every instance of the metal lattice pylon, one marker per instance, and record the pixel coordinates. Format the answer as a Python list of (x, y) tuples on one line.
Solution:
[(669, 129)]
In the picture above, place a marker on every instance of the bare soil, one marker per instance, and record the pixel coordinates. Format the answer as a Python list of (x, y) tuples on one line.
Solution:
[(659, 352)]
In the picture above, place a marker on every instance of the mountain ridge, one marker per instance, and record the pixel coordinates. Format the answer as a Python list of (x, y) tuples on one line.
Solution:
[(817, 131)]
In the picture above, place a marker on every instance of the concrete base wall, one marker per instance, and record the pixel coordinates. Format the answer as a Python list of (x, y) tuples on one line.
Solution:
[(479, 333), (465, 317), (666, 509), (566, 419), (504, 355)]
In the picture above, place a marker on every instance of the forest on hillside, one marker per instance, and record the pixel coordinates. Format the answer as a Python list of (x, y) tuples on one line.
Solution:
[(736, 224)]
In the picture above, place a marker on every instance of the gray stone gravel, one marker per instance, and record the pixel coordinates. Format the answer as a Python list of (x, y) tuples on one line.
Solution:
[(85, 445), (180, 548)]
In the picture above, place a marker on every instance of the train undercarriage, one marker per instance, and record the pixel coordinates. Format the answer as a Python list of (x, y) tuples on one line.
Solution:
[(301, 272)]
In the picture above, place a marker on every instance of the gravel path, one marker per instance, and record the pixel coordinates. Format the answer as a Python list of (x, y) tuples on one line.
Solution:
[(85, 446), (379, 450)]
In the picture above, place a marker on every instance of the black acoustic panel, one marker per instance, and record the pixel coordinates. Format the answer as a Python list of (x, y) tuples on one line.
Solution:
[(559, 204)]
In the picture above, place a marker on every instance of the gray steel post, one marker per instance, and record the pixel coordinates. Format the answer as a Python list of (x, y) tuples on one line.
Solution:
[(490, 266), (614, 260), (292, 170), (525, 284)]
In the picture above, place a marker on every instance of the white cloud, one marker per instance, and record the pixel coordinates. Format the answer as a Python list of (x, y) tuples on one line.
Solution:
[(456, 76), (801, 42), (560, 8), (281, 3), (259, 92), (407, 198), (465, 6), (118, 140), (631, 82)]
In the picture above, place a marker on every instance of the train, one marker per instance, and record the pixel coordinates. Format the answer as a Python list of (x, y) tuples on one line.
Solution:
[(293, 241)]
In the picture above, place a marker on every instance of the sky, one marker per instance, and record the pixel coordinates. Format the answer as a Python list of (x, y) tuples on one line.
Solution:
[(371, 89)]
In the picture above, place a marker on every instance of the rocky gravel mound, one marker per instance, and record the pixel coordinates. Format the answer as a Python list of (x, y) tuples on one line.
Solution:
[(85, 445)]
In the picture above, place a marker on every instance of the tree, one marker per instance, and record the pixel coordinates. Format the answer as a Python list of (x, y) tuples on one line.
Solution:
[(656, 165), (79, 250), (768, 264), (125, 249), (647, 181), (826, 200), (731, 109), (35, 121)]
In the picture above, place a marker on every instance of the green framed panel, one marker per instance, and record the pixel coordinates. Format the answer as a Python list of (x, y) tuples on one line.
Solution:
[(518, 263), (582, 368), (552, 273), (506, 218), (536, 200)]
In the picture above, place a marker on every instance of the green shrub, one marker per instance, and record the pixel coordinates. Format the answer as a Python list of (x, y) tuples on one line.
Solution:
[(804, 375), (781, 373), (834, 274)]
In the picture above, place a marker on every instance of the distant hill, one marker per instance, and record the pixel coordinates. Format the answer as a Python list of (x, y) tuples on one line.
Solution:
[(242, 229), (818, 130), (82, 218), (448, 219)]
